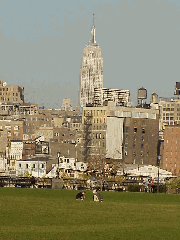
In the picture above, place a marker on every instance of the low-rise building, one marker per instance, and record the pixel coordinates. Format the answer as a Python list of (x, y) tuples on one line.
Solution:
[(15, 150), (68, 167), (32, 167)]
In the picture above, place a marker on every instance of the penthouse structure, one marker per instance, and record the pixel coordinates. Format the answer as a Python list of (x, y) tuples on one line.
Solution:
[(119, 96)]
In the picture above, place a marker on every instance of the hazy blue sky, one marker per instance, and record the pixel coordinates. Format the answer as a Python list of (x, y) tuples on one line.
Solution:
[(42, 41)]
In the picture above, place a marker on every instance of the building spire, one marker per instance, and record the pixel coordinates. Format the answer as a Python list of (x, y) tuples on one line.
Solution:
[(93, 39)]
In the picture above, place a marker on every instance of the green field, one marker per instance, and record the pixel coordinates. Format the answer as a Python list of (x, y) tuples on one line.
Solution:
[(55, 214)]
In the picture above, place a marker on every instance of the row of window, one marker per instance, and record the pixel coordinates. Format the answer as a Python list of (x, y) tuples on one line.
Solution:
[(37, 119), (168, 109), (4, 99), (135, 129), (33, 166), (168, 118), (94, 112), (142, 154)]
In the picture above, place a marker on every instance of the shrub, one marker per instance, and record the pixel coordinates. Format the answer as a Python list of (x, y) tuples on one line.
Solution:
[(134, 188)]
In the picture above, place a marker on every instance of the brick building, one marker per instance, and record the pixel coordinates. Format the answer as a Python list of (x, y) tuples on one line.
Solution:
[(171, 151), (139, 137), (34, 122), (15, 129)]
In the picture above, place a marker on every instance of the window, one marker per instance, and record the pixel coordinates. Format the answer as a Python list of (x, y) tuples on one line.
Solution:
[(142, 138), (20, 165), (143, 130), (134, 153), (127, 128), (26, 165), (142, 145), (135, 129), (42, 166)]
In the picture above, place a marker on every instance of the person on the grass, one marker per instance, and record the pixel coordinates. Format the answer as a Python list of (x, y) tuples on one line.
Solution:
[(80, 196), (97, 197)]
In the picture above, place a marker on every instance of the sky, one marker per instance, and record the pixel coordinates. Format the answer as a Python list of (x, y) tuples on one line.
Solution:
[(42, 41)]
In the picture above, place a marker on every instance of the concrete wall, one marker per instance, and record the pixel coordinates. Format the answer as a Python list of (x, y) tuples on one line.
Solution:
[(114, 137)]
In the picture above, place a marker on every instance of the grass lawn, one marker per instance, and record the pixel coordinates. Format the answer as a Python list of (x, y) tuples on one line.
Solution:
[(55, 214)]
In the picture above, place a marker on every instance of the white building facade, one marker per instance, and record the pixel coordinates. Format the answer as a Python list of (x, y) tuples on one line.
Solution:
[(35, 168), (69, 167), (15, 150)]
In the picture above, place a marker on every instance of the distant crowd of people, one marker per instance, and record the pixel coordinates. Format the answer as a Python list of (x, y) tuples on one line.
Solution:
[(97, 197)]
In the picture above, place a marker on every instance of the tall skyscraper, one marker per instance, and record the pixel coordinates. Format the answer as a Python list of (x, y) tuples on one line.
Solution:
[(91, 72)]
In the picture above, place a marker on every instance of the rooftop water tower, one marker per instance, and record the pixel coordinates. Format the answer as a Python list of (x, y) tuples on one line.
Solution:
[(154, 98), (142, 95)]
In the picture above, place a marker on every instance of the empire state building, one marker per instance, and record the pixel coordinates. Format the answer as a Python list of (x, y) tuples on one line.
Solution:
[(91, 72)]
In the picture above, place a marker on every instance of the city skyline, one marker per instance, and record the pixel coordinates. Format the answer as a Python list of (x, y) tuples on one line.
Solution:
[(42, 44)]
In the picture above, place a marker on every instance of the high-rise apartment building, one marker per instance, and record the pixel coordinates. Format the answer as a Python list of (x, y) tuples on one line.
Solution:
[(91, 72), (11, 94)]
